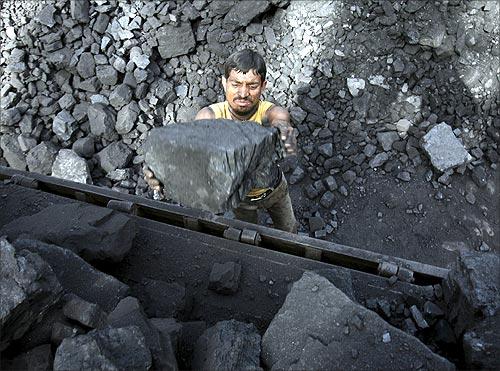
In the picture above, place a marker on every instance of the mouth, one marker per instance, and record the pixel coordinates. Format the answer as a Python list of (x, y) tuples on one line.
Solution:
[(242, 102)]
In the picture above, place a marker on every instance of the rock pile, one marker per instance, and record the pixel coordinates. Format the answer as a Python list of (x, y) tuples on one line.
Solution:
[(364, 83), (92, 320)]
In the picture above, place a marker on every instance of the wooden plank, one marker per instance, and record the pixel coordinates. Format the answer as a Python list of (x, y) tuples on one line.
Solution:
[(272, 239)]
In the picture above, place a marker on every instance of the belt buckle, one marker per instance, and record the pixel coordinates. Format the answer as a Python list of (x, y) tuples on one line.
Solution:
[(262, 196)]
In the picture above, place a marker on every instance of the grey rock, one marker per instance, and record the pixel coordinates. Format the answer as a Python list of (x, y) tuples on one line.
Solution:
[(76, 275), (106, 349), (471, 290), (224, 278), (140, 60), (68, 165), (129, 312), (310, 105), (46, 16), (86, 65), (84, 147), (355, 85), (443, 148), (26, 142), (326, 149), (107, 75), (38, 359), (115, 156), (101, 23), (327, 200), (91, 85), (297, 175), (79, 10), (41, 157), (67, 101), (10, 116), (331, 183), (386, 139), (84, 312), (29, 288), (418, 318), (64, 125), (217, 161), (12, 152), (120, 96), (379, 160), (160, 298), (101, 120), (175, 41), (92, 232), (481, 345), (319, 327), (127, 118), (479, 176), (229, 345), (169, 329), (316, 223), (243, 12)]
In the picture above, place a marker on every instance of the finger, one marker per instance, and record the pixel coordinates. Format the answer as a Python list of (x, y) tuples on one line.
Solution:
[(148, 174), (156, 188), (153, 182)]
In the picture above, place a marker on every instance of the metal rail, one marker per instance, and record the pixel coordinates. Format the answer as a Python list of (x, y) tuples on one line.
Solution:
[(207, 222)]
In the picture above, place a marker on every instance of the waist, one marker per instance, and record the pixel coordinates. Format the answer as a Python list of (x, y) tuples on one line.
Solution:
[(256, 194)]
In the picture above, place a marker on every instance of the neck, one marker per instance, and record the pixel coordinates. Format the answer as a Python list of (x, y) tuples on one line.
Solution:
[(244, 117)]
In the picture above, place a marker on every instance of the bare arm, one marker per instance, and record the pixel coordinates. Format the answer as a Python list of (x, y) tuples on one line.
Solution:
[(280, 118)]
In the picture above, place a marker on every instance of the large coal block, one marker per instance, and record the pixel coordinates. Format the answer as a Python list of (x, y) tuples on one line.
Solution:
[(28, 288), (212, 164), (319, 327), (471, 289), (229, 345), (92, 232), (77, 276), (108, 349)]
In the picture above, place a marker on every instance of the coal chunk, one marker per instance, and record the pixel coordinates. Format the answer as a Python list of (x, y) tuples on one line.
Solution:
[(93, 232), (443, 148), (77, 276), (229, 345), (224, 278), (242, 13), (68, 165), (174, 41), (221, 160), (471, 290), (319, 327), (107, 349), (29, 288), (88, 314)]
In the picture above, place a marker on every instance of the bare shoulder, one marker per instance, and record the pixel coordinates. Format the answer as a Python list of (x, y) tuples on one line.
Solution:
[(277, 113), (205, 113)]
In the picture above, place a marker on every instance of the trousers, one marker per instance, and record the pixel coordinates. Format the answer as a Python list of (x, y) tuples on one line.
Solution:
[(278, 204)]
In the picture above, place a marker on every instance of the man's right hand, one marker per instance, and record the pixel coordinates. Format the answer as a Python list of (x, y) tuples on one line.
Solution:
[(153, 183)]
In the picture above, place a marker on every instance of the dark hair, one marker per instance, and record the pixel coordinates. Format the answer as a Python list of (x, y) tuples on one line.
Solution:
[(244, 61)]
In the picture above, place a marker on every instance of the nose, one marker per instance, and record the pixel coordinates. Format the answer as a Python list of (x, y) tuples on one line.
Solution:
[(243, 91)]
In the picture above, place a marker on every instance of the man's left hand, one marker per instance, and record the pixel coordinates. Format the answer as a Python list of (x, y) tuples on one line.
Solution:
[(289, 138)]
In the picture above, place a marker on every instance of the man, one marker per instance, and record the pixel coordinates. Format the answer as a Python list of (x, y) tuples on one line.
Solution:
[(244, 82)]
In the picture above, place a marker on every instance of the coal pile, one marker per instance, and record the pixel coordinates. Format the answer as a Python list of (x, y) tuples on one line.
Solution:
[(364, 83)]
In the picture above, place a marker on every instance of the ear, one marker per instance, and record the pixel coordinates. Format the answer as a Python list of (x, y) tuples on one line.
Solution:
[(264, 84), (224, 82)]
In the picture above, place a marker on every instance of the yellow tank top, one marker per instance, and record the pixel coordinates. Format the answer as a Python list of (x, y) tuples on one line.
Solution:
[(221, 111)]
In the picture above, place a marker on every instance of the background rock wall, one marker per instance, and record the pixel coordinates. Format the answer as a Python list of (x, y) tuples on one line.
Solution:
[(364, 81)]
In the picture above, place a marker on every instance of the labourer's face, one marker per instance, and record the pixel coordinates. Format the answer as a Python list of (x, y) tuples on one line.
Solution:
[(243, 90)]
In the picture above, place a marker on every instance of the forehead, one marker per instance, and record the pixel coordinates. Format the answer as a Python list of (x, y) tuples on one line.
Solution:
[(250, 76)]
